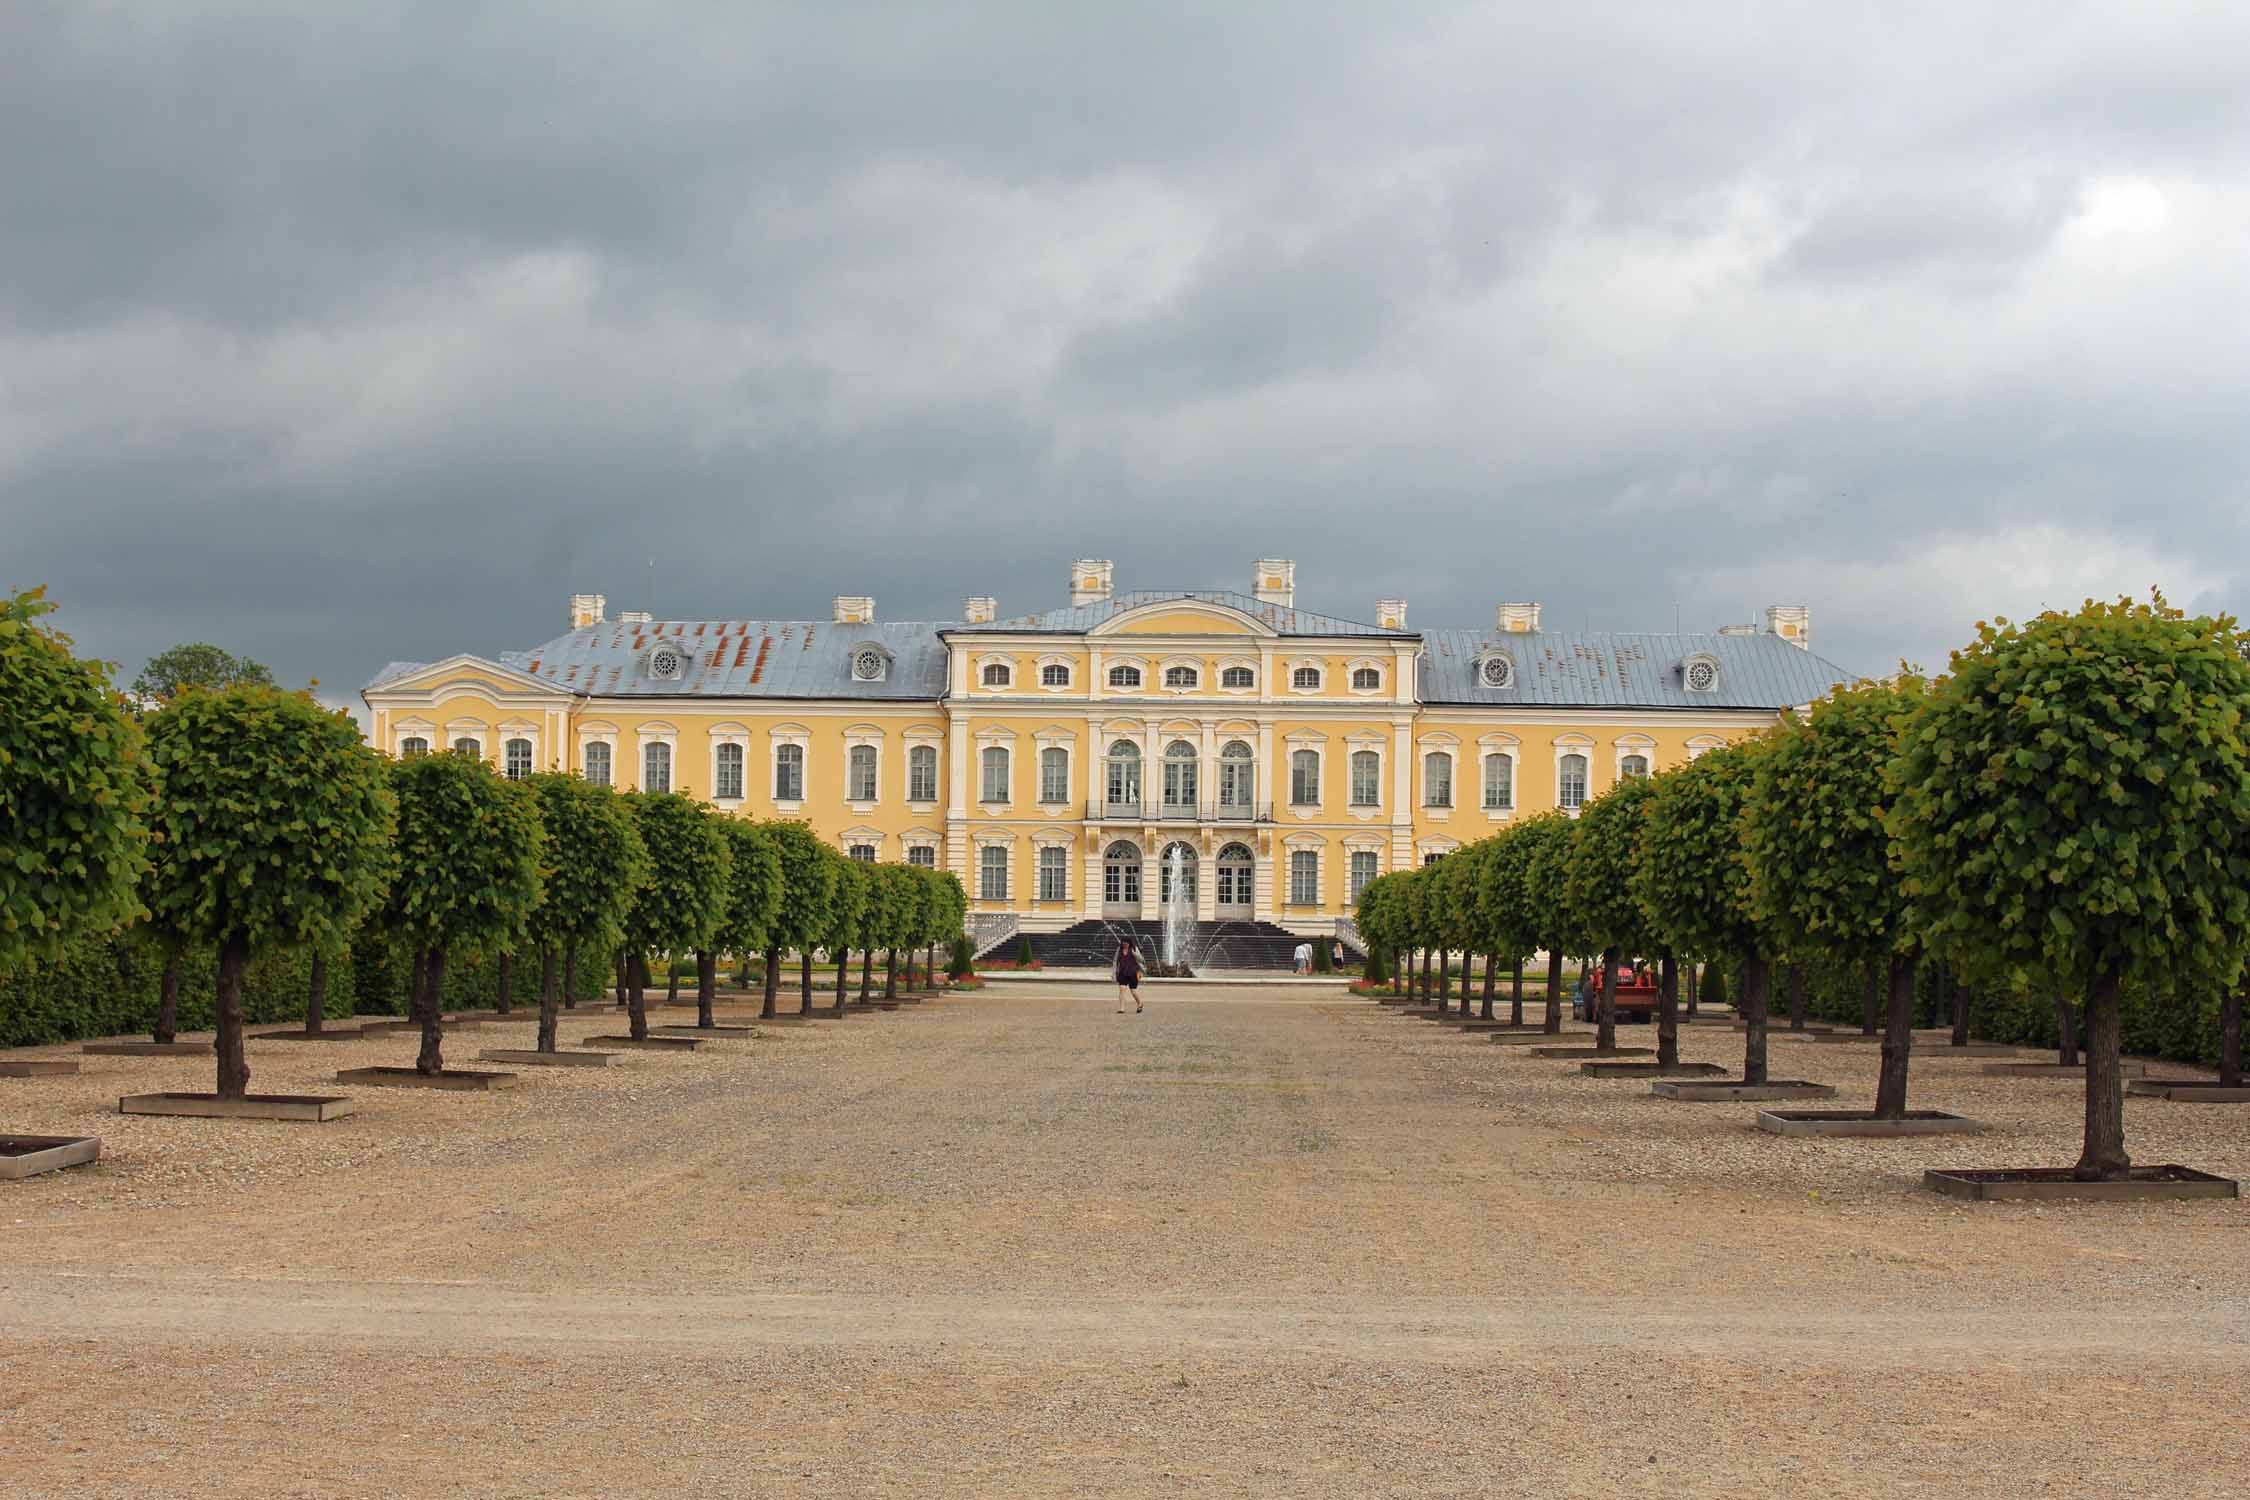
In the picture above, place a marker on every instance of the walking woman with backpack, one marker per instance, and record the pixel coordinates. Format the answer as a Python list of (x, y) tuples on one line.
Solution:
[(1128, 973)]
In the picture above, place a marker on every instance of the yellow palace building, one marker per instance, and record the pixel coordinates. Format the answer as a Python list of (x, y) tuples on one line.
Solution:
[(1054, 760)]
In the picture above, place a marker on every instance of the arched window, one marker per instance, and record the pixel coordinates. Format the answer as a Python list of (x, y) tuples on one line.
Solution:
[(1632, 765), (469, 745), (1305, 677), (656, 767), (1238, 677), (992, 873), (996, 674), (1180, 677), (1054, 674), (1179, 779), (1570, 781), (864, 853), (1367, 779), (1437, 779), (1237, 869), (1366, 678), (1499, 781), (1304, 778), (1238, 779), (994, 787), (1125, 677), (1304, 877), (1123, 789), (1054, 775), (413, 745), (921, 774), (1164, 873), (726, 773), (1121, 877), (1362, 872), (789, 773), (596, 757), (860, 774)]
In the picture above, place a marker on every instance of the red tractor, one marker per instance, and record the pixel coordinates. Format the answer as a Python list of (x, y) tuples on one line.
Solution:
[(1636, 993)]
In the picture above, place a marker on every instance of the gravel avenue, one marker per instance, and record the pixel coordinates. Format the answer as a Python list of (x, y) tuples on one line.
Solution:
[(1255, 1242)]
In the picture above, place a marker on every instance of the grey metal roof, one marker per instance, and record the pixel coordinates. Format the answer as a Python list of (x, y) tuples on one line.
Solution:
[(742, 659), (1077, 619), (391, 670), (1599, 669)]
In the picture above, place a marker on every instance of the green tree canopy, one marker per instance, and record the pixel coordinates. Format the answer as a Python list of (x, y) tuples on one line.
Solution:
[(73, 840), (197, 665), (593, 860), (1504, 904), (808, 887), (1694, 887), (848, 911), (1598, 882), (276, 821), (753, 885), (1554, 843), (683, 903)]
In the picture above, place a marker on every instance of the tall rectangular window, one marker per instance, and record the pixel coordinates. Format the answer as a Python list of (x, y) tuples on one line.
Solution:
[(1054, 775), (1499, 781), (726, 777), (1362, 872), (789, 773), (656, 767), (992, 873), (1304, 778), (1570, 781), (923, 855), (1054, 874), (1304, 877), (921, 774), (596, 757), (1367, 779), (515, 759), (1437, 779), (861, 780), (995, 762)]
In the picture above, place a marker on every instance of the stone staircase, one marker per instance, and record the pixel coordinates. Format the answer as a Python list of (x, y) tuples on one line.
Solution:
[(1211, 947)]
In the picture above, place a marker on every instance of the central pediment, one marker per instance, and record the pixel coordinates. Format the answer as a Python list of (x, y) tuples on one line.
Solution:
[(1177, 617)]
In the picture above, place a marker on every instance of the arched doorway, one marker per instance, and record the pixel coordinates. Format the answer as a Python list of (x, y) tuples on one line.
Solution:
[(1121, 881), (1236, 871), (1238, 781), (1164, 874), (1179, 780)]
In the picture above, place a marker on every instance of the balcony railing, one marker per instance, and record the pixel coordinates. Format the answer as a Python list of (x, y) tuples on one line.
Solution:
[(1104, 810)]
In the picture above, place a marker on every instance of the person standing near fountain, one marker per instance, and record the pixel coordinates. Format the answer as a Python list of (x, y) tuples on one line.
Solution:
[(1128, 975)]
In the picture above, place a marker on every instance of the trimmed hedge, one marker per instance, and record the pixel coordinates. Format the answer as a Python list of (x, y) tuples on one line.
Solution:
[(111, 988)]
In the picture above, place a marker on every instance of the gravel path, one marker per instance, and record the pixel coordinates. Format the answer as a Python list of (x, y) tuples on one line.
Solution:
[(1260, 1243)]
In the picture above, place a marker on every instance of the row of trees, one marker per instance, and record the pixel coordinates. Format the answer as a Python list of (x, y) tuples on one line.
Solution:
[(2066, 810), (246, 818)]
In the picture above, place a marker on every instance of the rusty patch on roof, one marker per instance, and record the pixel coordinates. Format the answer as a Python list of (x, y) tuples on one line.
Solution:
[(757, 672)]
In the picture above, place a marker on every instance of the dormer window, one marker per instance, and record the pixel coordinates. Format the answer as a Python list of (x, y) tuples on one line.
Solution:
[(665, 662), (1700, 674), (996, 674), (1497, 671), (869, 664)]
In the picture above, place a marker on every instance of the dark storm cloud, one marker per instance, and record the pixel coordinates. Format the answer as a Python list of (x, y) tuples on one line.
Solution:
[(345, 334)]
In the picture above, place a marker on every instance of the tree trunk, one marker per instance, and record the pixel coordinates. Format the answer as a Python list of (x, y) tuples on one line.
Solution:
[(168, 1007), (1797, 997), (1898, 1042), (1426, 956), (1691, 988), (671, 980), (1554, 993), (1515, 1000), (316, 995), (706, 986), (624, 979), (504, 997), (773, 984), (2066, 1030), (234, 1068), (1960, 1036), (1757, 986), (866, 974), (1605, 1007), (890, 973), (2104, 1156), (431, 1060), (414, 980), (570, 976), (843, 975), (1867, 1002), (550, 998), (636, 995), (2230, 1040), (1444, 977), (1667, 1012), (804, 980), (1491, 978)]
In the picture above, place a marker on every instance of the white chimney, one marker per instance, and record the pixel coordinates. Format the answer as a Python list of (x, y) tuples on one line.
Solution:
[(1519, 618), (586, 609), (1390, 613), (635, 617), (1274, 581), (1792, 622), (982, 609), (1089, 580), (855, 609)]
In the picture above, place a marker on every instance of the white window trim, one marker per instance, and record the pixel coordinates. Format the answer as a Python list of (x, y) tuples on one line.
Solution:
[(1320, 778), (1515, 781), (919, 838), (1434, 813), (1063, 662), (725, 734), (1293, 665), (403, 730), (934, 740), (654, 733), (1702, 742), (1193, 664), (1576, 744), (1039, 766), (1292, 847), (801, 737), (1631, 744), (1112, 663), (1360, 664), (977, 671), (868, 736), (1352, 751), (991, 839), (1226, 664), (871, 836)]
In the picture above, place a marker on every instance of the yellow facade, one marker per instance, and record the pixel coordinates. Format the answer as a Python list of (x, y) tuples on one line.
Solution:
[(1289, 763)]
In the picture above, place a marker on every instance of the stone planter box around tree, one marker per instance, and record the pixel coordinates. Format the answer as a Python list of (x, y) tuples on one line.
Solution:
[(709, 1033), (390, 1028), (310, 1107), (2055, 1070), (1720, 1093), (29, 1155), (1583, 1051), (458, 1080), (1496, 1026), (1651, 1070), (299, 1034), (2189, 1091), (147, 1049), (529, 1058), (646, 1043), (36, 1067), (1533, 1037), (1863, 1122), (2044, 1183)]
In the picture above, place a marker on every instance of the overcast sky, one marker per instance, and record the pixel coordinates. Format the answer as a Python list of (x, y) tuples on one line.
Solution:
[(340, 334)]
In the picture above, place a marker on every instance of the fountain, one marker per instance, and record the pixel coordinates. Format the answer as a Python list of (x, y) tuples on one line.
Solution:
[(1179, 918)]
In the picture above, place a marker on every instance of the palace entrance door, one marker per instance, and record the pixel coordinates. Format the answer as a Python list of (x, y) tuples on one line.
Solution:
[(1121, 882)]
